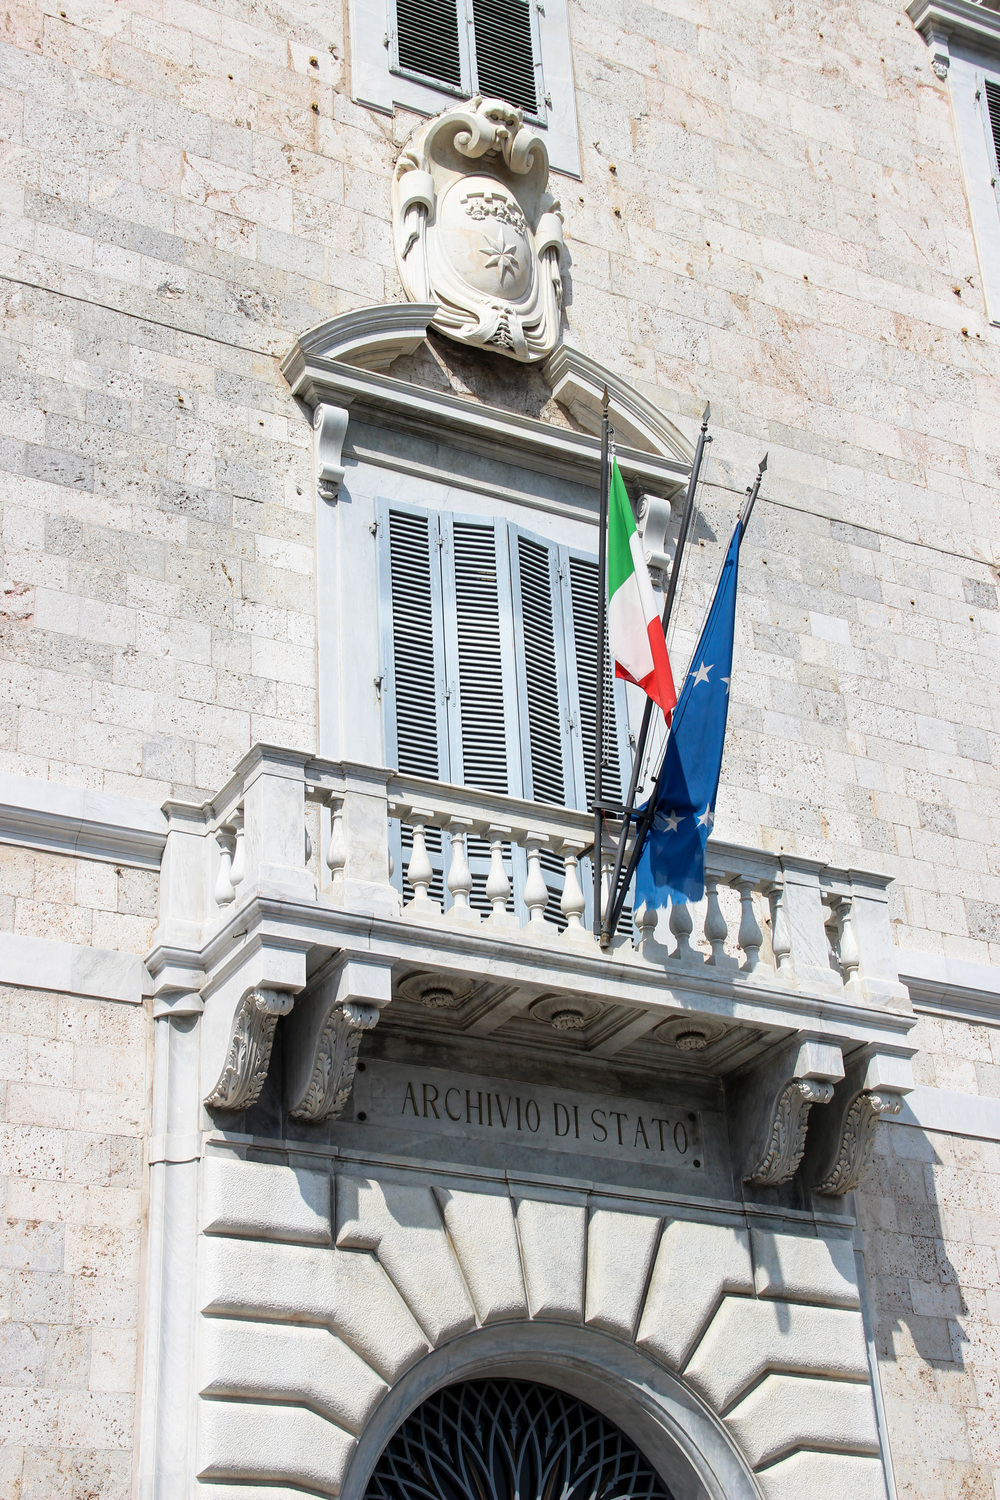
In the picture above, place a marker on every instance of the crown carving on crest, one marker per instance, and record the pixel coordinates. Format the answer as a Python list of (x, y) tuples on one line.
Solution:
[(477, 231)]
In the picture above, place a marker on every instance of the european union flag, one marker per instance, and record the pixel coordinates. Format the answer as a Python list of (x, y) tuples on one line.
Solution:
[(672, 864)]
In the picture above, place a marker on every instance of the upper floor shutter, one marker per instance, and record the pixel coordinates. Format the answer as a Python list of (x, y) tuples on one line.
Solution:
[(478, 642), (504, 52), (428, 40), (993, 115), (413, 688), (542, 687), (583, 605)]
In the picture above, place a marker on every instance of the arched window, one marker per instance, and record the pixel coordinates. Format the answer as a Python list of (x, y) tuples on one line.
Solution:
[(510, 1440)]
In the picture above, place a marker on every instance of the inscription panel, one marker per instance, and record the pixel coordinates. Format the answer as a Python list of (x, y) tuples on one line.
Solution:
[(442, 1103)]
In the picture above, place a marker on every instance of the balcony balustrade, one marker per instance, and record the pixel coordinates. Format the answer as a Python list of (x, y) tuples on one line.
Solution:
[(278, 900)]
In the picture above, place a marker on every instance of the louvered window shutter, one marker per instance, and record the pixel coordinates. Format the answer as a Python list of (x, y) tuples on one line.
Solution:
[(993, 117), (428, 40), (541, 670), (504, 52), (413, 665), (479, 650), (582, 643)]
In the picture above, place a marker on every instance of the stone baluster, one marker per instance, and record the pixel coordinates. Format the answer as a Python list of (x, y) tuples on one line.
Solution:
[(238, 870), (850, 957), (420, 871), (682, 926), (781, 938), (572, 903), (459, 874), (646, 922), (224, 893), (336, 853), (536, 892), (498, 881), (716, 927), (749, 936)]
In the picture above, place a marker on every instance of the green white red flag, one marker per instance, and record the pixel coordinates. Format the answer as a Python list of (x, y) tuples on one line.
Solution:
[(635, 634)]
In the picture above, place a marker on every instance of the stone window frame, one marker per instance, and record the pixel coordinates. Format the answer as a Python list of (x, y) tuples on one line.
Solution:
[(377, 85), (964, 41)]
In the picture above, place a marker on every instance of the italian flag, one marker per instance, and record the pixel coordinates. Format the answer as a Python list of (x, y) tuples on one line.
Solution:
[(635, 634)]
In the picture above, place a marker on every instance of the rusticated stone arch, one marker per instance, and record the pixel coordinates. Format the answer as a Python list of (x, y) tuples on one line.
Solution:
[(734, 1357), (683, 1440)]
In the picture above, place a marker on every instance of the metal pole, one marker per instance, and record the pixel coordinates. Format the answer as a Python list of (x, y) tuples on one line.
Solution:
[(611, 920), (751, 499), (618, 900), (602, 570)]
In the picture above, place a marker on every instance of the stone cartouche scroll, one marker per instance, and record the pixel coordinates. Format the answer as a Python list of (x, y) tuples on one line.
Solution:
[(477, 232)]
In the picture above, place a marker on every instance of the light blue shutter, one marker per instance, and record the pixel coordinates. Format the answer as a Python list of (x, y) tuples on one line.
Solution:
[(479, 649), (541, 668), (411, 627), (579, 574)]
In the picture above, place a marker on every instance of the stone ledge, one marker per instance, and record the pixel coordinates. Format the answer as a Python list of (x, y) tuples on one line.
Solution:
[(71, 968)]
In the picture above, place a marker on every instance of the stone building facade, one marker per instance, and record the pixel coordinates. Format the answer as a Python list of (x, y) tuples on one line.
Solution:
[(232, 1266)]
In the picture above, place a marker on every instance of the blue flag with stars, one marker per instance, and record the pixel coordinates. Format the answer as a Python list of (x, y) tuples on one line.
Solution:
[(672, 864)]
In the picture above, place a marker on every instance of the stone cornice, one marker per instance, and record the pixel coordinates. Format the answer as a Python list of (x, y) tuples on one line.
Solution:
[(339, 363), (69, 820), (956, 18), (268, 920)]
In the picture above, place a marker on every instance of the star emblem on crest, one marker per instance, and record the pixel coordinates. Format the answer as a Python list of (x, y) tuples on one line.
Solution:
[(501, 255)]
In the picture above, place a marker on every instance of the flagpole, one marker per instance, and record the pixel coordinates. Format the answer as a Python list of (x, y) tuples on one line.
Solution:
[(610, 924), (618, 900), (751, 499), (602, 569)]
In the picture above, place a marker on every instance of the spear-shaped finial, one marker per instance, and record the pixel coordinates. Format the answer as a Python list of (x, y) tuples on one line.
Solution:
[(706, 416), (752, 492)]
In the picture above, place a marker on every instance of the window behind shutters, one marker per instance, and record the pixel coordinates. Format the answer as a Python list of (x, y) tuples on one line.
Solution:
[(504, 55), (488, 634), (470, 46), (428, 40)]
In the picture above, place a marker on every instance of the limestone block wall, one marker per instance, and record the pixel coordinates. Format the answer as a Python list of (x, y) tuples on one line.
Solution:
[(74, 1081), (771, 214), (930, 1214), (320, 1306)]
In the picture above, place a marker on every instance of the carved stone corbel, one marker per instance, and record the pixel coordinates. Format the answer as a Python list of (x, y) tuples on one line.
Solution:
[(335, 1062), (842, 1152), (245, 1069), (788, 1130), (324, 1035), (857, 1141), (770, 1108), (330, 429)]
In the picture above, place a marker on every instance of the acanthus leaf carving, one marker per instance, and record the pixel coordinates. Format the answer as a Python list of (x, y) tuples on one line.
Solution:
[(249, 1054), (335, 1062), (477, 231), (788, 1130), (857, 1141)]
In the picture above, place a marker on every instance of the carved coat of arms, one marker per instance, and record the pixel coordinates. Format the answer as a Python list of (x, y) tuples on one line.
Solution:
[(477, 231)]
